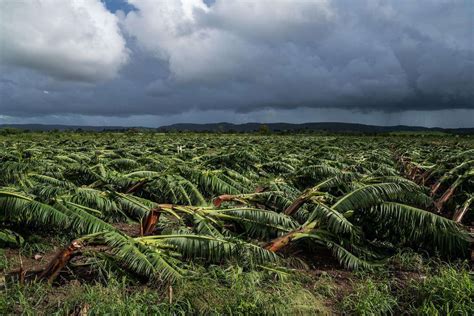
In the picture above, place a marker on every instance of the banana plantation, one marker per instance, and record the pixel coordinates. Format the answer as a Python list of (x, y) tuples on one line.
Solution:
[(162, 208)]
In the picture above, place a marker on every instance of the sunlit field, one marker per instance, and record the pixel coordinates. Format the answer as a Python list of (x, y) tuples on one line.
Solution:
[(145, 223)]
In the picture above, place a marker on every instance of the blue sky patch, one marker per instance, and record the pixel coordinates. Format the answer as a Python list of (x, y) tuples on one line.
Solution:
[(115, 5)]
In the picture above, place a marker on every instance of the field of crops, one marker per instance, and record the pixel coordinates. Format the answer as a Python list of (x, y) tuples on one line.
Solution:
[(276, 215)]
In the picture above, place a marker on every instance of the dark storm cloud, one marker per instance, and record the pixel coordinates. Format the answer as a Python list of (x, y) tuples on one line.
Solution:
[(168, 57)]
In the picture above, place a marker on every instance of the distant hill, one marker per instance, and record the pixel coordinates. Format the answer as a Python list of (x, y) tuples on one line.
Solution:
[(325, 126), (333, 127)]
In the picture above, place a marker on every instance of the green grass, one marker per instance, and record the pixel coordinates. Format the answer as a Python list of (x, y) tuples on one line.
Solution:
[(441, 289), (234, 291), (230, 291), (3, 260), (370, 298), (324, 286), (448, 292), (407, 260), (116, 298), (432, 288)]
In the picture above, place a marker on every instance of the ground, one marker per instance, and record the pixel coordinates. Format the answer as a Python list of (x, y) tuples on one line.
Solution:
[(316, 288)]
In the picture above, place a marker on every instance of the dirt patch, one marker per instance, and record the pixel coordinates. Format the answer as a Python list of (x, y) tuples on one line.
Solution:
[(36, 261), (130, 229)]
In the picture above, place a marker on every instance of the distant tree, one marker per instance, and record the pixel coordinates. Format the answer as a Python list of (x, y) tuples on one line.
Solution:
[(9, 131), (264, 129)]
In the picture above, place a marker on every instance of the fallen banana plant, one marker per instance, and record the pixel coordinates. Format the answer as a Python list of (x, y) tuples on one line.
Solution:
[(316, 193)]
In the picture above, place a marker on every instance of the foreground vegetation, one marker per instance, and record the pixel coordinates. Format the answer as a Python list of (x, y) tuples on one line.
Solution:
[(150, 223), (447, 290)]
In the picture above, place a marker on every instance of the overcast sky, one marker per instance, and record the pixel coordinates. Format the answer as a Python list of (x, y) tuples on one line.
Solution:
[(152, 63)]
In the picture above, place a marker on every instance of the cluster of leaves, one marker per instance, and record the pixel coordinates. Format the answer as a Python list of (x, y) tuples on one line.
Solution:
[(344, 194), (448, 170)]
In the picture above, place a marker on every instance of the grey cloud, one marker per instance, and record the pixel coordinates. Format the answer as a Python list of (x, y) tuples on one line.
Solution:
[(69, 40), (257, 57)]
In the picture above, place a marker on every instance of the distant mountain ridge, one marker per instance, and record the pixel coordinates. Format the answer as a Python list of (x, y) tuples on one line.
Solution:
[(320, 126), (249, 127)]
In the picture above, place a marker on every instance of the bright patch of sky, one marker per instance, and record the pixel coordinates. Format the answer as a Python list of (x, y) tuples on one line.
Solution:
[(122, 5)]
